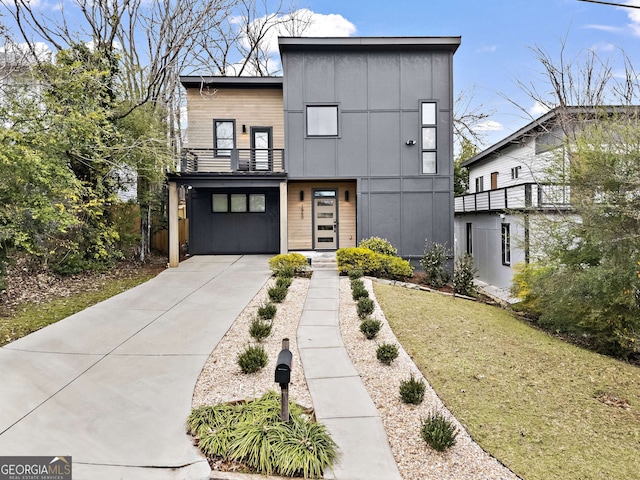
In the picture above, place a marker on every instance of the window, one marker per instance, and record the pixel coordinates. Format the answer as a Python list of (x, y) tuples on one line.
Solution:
[(257, 202), (479, 184), (506, 244), (219, 202), (238, 203), (428, 119), (515, 172), (469, 238), (322, 120), (224, 137)]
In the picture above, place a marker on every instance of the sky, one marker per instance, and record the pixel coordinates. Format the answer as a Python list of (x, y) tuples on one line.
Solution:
[(497, 40)]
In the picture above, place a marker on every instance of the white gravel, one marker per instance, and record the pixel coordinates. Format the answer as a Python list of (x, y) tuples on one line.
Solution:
[(222, 381)]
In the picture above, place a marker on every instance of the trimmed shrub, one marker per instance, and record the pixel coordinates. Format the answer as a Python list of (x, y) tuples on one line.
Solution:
[(463, 275), (395, 268), (355, 273), (252, 359), (365, 307), (287, 261), (277, 294), (412, 391), (259, 329), (358, 291), (358, 258), (379, 245), (387, 353), (284, 282), (267, 311), (434, 263), (370, 328), (438, 432), (287, 272)]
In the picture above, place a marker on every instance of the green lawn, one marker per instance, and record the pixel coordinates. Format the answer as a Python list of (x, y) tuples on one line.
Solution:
[(32, 317), (529, 399)]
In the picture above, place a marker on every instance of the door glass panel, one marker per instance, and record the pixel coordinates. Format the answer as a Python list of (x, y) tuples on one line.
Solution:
[(325, 203), (326, 239), (257, 202), (325, 215), (219, 202), (324, 193), (238, 202), (325, 227)]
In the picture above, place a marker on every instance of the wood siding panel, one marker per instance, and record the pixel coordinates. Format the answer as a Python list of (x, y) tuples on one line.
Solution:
[(250, 107), (300, 214)]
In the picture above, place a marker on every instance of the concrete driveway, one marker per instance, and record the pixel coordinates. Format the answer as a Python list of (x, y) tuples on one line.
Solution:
[(112, 385)]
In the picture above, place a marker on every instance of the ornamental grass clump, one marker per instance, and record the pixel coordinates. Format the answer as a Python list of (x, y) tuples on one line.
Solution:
[(277, 294), (387, 353), (412, 391), (252, 359), (267, 311), (438, 432), (284, 282), (370, 328), (365, 307), (252, 435)]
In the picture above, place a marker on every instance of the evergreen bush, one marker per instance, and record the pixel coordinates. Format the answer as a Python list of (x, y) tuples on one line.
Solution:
[(370, 328), (252, 359), (365, 307), (434, 263), (379, 245), (412, 391), (267, 311), (284, 263), (260, 329), (387, 353), (463, 275), (438, 432), (277, 294)]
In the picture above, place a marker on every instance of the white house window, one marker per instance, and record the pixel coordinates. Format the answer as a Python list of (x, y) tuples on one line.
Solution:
[(322, 120), (515, 172), (479, 184), (224, 137), (428, 118), (506, 244)]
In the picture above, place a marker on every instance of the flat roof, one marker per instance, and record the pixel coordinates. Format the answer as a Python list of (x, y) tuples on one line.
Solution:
[(309, 43), (197, 81)]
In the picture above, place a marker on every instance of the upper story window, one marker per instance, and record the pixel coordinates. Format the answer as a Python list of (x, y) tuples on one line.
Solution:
[(322, 120), (479, 184), (224, 137), (428, 118), (515, 172)]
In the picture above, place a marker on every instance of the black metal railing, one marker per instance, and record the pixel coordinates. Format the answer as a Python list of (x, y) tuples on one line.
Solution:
[(193, 160), (516, 197)]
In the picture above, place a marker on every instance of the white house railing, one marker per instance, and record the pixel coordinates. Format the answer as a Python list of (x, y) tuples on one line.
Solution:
[(517, 197)]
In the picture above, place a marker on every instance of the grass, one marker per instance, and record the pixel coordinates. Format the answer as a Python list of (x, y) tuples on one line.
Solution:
[(531, 400), (32, 317)]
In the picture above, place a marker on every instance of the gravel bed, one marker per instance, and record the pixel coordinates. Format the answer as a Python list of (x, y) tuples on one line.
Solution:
[(222, 381), (415, 459)]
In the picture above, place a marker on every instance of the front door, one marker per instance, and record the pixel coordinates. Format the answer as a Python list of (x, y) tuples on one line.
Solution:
[(325, 219), (261, 143)]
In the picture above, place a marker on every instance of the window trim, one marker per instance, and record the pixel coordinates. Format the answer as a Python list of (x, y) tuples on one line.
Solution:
[(431, 126), (505, 235), (321, 105), (216, 149)]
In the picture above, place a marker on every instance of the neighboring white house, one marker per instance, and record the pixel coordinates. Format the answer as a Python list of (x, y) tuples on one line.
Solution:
[(511, 192)]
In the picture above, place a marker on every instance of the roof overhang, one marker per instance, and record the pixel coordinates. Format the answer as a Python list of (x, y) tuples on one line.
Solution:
[(199, 81), (449, 44)]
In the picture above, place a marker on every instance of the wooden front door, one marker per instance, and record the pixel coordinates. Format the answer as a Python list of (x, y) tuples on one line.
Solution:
[(325, 219)]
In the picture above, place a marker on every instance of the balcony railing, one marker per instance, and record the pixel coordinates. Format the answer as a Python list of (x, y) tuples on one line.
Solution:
[(517, 197), (254, 160)]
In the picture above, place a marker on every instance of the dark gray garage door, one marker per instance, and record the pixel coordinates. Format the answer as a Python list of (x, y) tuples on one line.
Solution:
[(231, 221)]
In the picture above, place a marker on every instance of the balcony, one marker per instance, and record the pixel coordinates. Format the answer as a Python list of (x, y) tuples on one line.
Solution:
[(235, 160), (527, 196)]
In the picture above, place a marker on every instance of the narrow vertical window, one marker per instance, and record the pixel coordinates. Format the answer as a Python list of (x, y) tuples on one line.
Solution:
[(479, 184), (428, 118), (224, 137), (506, 244), (469, 238)]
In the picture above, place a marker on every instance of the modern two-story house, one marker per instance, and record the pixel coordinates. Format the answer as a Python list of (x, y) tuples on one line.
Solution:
[(514, 189), (354, 140)]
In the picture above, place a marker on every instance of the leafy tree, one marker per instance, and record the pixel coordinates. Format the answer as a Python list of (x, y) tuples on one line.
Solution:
[(460, 174)]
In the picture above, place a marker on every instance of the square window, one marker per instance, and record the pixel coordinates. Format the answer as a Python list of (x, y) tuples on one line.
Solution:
[(219, 202), (428, 138), (428, 162), (322, 121), (257, 202), (238, 202)]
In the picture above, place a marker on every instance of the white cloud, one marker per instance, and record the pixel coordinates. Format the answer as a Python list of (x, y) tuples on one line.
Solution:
[(489, 126), (538, 109), (604, 28), (634, 16), (487, 49), (603, 47)]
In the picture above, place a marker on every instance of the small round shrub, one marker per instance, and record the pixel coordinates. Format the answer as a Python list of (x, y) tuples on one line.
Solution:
[(285, 262), (387, 353), (359, 292), (378, 245), (412, 391), (463, 274), (277, 294), (355, 273), (363, 258), (252, 359), (370, 328), (283, 282), (395, 268), (267, 311), (259, 329), (356, 283), (438, 432), (365, 307)]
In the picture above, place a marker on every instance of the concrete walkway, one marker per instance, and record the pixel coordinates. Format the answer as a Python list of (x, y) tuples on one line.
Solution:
[(112, 385), (340, 399)]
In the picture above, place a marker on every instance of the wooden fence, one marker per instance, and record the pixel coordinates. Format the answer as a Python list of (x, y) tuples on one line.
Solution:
[(160, 240)]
